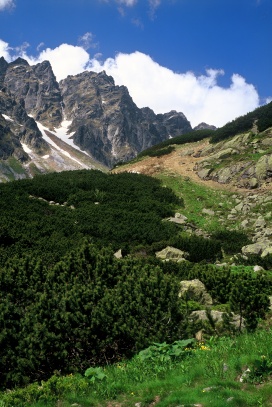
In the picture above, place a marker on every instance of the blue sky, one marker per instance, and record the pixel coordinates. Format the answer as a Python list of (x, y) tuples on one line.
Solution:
[(210, 59)]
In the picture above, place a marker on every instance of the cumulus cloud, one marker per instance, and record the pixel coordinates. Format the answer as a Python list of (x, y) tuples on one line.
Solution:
[(6, 4), (65, 59), (5, 50), (200, 98)]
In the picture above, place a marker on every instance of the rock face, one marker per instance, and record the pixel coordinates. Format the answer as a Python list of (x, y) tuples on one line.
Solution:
[(107, 123), (203, 126), (100, 118), (38, 87), (244, 160)]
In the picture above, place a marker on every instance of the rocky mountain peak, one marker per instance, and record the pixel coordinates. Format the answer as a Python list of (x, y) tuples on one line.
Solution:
[(97, 116), (38, 87), (19, 61), (107, 123), (203, 126)]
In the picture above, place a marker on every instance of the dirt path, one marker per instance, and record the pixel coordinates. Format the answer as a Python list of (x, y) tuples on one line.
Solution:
[(176, 163)]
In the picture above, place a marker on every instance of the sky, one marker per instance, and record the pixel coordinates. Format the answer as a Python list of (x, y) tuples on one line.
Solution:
[(210, 59)]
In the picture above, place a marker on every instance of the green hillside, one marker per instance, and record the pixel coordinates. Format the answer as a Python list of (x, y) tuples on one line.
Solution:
[(69, 304)]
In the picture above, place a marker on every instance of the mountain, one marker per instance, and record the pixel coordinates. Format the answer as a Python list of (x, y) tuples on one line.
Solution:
[(85, 121)]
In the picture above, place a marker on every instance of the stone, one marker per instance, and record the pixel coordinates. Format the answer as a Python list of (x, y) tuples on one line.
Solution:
[(267, 251), (258, 268), (260, 223), (118, 254), (218, 317), (179, 219), (195, 290), (180, 216), (208, 211), (255, 248), (204, 173), (171, 253), (245, 224)]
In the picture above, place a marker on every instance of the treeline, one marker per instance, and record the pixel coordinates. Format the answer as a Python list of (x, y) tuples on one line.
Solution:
[(166, 146), (262, 116), (93, 309)]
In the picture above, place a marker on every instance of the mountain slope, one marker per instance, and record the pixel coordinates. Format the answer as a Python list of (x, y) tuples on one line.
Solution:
[(87, 111)]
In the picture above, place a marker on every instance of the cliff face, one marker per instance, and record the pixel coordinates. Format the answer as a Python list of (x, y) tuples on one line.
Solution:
[(38, 87), (107, 123)]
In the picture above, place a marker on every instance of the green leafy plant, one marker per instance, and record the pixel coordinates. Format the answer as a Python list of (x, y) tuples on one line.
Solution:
[(164, 352), (260, 370), (95, 374)]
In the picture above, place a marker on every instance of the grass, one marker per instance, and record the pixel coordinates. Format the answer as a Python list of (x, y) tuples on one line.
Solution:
[(208, 375), (196, 197)]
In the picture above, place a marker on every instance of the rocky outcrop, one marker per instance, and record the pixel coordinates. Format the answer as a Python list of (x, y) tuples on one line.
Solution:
[(17, 128), (204, 126), (106, 122), (244, 160), (38, 87)]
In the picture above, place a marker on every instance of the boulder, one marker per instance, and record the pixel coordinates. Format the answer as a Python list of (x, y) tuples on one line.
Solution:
[(208, 212), (204, 173), (218, 318), (195, 290), (179, 219), (267, 251), (171, 253), (118, 254), (256, 248)]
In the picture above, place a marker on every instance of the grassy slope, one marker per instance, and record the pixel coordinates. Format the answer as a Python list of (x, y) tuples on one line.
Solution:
[(208, 375)]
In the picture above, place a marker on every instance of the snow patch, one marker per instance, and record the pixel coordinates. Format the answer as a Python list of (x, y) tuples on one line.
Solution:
[(26, 148), (55, 146), (7, 118)]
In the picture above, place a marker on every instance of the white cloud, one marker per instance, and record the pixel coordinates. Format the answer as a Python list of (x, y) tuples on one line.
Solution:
[(86, 41), (268, 100), (4, 50), (65, 59), (6, 4), (128, 3), (200, 98), (153, 5)]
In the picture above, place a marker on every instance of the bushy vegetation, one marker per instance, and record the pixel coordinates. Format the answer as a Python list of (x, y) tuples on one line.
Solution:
[(89, 309), (262, 116), (166, 146), (231, 241), (122, 210), (93, 309), (67, 304)]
